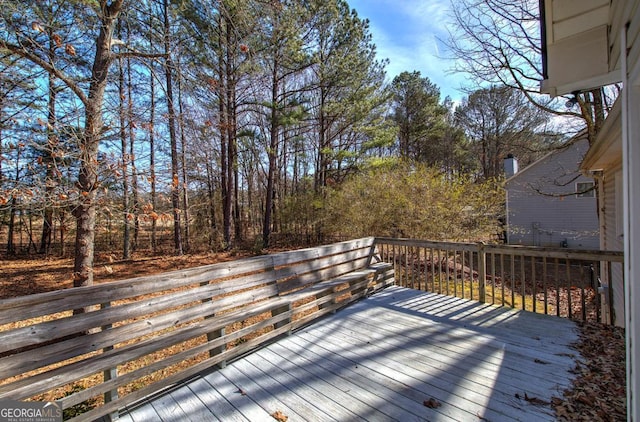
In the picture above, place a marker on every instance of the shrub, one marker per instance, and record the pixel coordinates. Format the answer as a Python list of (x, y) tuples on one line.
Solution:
[(415, 201)]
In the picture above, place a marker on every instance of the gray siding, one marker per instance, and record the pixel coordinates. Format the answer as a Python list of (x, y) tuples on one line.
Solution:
[(541, 207)]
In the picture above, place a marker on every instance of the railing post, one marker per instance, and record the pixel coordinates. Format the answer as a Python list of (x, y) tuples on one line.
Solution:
[(482, 271), (215, 334), (111, 373), (217, 350), (281, 310), (327, 304)]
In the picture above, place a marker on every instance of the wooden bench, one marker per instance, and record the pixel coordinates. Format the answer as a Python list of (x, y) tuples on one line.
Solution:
[(148, 333)]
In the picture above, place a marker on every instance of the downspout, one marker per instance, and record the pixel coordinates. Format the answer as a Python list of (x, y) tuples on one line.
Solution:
[(604, 289), (543, 39)]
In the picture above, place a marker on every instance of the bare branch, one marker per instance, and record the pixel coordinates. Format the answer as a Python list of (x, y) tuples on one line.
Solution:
[(563, 195), (139, 55), (48, 67)]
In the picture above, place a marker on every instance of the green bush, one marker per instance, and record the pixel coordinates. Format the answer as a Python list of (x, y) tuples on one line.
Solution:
[(414, 201)]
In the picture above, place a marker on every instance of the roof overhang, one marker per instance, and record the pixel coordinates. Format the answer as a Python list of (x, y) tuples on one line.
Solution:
[(607, 148), (576, 46)]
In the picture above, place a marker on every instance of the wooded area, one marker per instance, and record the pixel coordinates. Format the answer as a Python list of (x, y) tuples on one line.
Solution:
[(219, 123)]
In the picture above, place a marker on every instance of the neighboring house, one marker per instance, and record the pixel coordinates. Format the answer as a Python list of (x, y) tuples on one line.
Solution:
[(588, 44), (550, 203)]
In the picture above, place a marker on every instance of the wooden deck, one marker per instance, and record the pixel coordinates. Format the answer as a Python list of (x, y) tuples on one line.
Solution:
[(380, 359)]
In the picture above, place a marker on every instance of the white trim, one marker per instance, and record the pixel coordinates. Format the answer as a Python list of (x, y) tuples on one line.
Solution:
[(547, 86), (631, 172)]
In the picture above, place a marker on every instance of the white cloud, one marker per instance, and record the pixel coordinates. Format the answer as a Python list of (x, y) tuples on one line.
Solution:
[(409, 34)]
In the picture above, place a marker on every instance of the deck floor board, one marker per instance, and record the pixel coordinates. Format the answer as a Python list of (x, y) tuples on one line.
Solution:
[(381, 358)]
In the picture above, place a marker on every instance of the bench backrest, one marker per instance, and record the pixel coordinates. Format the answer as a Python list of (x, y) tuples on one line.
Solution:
[(149, 332)]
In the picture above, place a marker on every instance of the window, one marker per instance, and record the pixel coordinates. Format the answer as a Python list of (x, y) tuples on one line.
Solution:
[(585, 190)]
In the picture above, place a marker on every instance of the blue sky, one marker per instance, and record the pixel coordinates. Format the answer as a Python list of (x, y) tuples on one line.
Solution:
[(409, 34)]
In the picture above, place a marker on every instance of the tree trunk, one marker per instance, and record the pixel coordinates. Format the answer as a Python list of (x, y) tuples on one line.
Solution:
[(213, 228), (225, 162), (183, 158), (11, 247), (233, 152), (135, 195), (47, 220), (85, 210), (175, 185), (273, 157), (63, 229), (124, 167), (152, 161)]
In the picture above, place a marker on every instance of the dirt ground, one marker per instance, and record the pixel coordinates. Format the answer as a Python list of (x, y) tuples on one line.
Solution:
[(28, 276), (599, 389), (598, 392)]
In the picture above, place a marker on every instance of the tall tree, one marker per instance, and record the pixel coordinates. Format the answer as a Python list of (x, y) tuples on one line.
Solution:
[(419, 115), (173, 138), (183, 162), (135, 193), (345, 97), (52, 90), (151, 127), (283, 58), (22, 37), (124, 164), (499, 121)]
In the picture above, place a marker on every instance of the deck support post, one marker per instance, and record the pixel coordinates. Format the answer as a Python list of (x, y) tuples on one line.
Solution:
[(214, 335), (329, 303), (482, 271), (281, 310), (109, 374), (217, 350)]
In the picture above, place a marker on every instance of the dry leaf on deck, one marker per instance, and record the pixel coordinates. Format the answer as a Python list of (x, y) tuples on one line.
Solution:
[(432, 403), (279, 416)]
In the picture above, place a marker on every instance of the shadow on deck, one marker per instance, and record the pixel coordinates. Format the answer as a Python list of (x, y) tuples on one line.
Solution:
[(386, 358)]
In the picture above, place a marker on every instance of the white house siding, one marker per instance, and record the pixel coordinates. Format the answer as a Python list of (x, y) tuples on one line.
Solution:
[(541, 207), (610, 210)]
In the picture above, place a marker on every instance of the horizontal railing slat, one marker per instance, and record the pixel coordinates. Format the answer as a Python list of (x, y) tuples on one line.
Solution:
[(40, 304), (60, 328), (68, 349), (290, 257)]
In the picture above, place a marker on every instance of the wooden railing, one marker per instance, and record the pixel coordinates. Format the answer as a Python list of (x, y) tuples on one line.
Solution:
[(141, 335), (555, 281)]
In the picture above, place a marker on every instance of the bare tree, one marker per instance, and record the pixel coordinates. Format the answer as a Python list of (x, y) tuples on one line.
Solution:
[(498, 42), (499, 121), (20, 39)]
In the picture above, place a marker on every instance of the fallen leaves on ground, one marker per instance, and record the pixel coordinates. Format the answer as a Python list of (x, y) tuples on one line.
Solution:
[(36, 275), (598, 392)]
